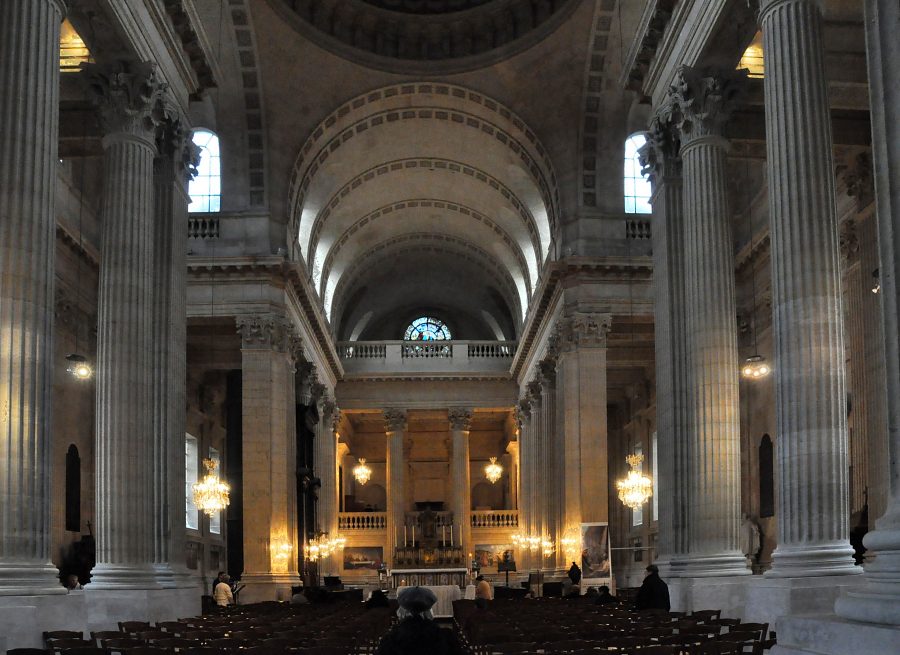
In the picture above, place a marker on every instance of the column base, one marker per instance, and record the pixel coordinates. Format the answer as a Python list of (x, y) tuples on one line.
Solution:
[(772, 599), (260, 587), (726, 593), (831, 635), (834, 558), (29, 579), (878, 599), (713, 566), (123, 576)]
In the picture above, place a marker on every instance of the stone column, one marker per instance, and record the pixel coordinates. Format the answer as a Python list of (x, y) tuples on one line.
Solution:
[(810, 389), (173, 169), (128, 97), (879, 600), (29, 132), (395, 430), (512, 469), (461, 504), (581, 389), (552, 472), (326, 469), (537, 499), (703, 104), (526, 479), (663, 165), (269, 352)]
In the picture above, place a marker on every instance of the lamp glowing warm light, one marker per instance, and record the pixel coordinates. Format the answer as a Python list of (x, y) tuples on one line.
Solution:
[(79, 368), (755, 368), (635, 488), (321, 546), (211, 495), (361, 472), (493, 471)]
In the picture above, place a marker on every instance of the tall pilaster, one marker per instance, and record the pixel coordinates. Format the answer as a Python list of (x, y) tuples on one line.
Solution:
[(460, 424), (326, 468), (29, 132), (662, 163), (703, 104), (810, 389), (173, 169), (128, 97), (395, 431), (879, 600), (269, 352), (581, 399)]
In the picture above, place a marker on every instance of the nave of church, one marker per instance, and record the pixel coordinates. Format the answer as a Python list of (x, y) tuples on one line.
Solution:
[(351, 295)]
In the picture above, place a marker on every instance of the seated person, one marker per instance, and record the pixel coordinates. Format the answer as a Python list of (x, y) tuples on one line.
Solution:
[(300, 598), (574, 591), (604, 597), (417, 633), (654, 593), (377, 599), (483, 592)]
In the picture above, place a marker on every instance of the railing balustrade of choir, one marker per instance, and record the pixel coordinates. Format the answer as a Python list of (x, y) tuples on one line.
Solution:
[(384, 350), (377, 521)]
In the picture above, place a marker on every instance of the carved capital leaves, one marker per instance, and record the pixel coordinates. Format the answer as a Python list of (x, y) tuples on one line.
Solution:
[(659, 155), (460, 418), (702, 101), (394, 420), (128, 95), (584, 330), (269, 332), (857, 177), (849, 241)]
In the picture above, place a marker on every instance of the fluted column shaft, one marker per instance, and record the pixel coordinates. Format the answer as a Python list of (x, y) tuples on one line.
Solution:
[(526, 480), (29, 131), (879, 601), (663, 164), (269, 352), (536, 486), (713, 493), (326, 467), (810, 389), (551, 473), (461, 502), (125, 448), (395, 431)]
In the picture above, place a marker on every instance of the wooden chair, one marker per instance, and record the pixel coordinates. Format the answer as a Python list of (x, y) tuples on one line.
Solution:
[(28, 651), (63, 634), (57, 645), (759, 630), (706, 615), (85, 650), (134, 626)]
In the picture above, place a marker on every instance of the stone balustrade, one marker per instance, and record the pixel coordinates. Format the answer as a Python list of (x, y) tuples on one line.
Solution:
[(362, 521), (428, 357), (503, 518)]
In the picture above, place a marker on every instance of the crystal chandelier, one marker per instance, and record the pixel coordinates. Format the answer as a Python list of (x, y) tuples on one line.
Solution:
[(547, 547), (635, 488), (361, 472), (211, 494), (493, 471), (321, 546), (755, 367)]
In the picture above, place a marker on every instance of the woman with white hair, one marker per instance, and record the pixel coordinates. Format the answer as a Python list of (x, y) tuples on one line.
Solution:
[(417, 633)]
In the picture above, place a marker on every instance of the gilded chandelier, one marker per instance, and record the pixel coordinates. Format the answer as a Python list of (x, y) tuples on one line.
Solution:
[(361, 472), (635, 488), (321, 546), (210, 493), (493, 471)]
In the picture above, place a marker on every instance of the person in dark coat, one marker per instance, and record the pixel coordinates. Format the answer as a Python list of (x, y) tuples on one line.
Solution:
[(417, 633), (654, 593), (377, 599), (574, 573), (604, 597)]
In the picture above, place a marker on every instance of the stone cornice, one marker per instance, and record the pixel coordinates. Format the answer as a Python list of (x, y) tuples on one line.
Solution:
[(651, 28), (194, 44)]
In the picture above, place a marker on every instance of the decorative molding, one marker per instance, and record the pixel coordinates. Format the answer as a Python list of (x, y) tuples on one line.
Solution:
[(460, 418), (190, 43), (651, 28), (700, 102), (394, 420)]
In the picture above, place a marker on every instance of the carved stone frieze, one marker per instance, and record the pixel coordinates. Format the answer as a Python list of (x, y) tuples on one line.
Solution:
[(702, 101), (460, 418), (394, 420), (128, 95)]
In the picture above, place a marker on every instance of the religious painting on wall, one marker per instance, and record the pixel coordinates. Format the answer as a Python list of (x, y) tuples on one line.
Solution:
[(596, 568), (489, 556), (363, 558)]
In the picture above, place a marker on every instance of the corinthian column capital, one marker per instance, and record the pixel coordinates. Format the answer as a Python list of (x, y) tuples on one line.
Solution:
[(659, 156), (174, 144), (460, 418), (268, 332), (128, 95), (583, 330), (394, 420), (702, 101)]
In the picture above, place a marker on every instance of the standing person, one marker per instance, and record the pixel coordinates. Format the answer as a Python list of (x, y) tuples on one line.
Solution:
[(574, 573), (417, 633), (222, 592), (654, 593)]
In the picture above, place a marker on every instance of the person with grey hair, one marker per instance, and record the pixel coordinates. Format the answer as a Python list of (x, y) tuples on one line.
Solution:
[(417, 633)]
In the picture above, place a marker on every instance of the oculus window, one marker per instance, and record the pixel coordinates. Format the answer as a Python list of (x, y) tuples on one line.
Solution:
[(206, 188), (637, 187), (426, 328)]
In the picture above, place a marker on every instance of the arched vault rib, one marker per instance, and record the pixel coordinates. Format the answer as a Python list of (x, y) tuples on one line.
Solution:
[(419, 243), (509, 204), (399, 216)]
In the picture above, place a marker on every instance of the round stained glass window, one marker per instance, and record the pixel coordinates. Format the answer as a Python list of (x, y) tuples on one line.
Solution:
[(427, 328)]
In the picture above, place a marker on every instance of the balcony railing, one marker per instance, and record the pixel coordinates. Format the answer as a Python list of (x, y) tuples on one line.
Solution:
[(368, 521), (503, 518), (461, 357)]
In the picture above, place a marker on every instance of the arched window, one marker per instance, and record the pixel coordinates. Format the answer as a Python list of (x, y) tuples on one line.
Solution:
[(637, 187), (426, 328), (766, 477), (206, 189), (73, 489)]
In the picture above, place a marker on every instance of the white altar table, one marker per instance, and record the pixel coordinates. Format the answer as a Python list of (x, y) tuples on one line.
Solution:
[(446, 594)]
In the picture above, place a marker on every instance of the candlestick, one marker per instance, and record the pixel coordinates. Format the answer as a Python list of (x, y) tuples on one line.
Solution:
[(443, 535), (414, 537), (451, 535), (405, 537)]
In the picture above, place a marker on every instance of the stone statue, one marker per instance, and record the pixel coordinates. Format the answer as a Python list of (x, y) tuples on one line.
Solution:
[(750, 542)]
